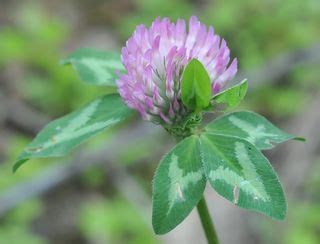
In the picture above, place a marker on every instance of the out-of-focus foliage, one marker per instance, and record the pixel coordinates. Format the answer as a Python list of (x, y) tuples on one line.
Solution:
[(303, 221), (33, 46), (303, 224), (281, 102), (257, 30), (146, 11), (16, 229), (6, 179), (114, 221)]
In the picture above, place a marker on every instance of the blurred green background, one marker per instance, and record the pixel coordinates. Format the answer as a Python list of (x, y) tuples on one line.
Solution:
[(106, 199)]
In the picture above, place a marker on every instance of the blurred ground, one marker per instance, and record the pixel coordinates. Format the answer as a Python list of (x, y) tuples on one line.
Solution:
[(101, 193)]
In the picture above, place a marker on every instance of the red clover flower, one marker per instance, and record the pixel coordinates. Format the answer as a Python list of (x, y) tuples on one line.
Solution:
[(155, 58)]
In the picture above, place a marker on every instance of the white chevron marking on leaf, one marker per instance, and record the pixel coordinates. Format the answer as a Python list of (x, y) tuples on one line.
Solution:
[(249, 182), (179, 182), (101, 68), (254, 133), (76, 128)]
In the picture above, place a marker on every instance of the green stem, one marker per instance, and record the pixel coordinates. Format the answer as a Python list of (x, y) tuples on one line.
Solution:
[(207, 222)]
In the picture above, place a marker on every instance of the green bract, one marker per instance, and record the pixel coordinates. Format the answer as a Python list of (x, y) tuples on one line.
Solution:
[(95, 66), (230, 98), (60, 136), (195, 86)]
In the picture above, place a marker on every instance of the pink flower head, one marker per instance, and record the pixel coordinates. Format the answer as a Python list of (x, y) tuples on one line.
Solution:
[(154, 59)]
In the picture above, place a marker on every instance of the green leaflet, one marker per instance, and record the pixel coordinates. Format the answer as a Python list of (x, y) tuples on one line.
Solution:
[(230, 98), (249, 126), (235, 168), (95, 66), (178, 185), (60, 136), (239, 172), (195, 86)]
